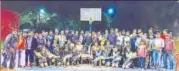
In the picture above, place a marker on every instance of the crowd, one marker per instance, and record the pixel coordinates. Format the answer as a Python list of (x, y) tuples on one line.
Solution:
[(113, 48)]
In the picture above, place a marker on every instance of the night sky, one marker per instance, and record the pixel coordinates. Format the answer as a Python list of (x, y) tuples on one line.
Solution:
[(130, 14)]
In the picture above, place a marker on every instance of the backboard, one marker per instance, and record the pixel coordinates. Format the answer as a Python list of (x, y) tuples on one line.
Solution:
[(90, 14)]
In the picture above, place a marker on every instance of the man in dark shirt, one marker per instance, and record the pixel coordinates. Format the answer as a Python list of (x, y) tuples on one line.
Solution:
[(31, 46)]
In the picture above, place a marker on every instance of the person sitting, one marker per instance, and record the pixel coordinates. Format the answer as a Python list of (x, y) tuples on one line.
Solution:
[(129, 58), (116, 57), (50, 48), (97, 57), (67, 58), (108, 51), (43, 54)]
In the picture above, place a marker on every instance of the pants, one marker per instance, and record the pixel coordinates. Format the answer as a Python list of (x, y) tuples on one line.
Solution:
[(141, 62), (127, 63), (156, 57), (115, 61), (148, 62), (177, 61), (108, 62), (21, 57), (29, 56), (168, 57), (9, 59)]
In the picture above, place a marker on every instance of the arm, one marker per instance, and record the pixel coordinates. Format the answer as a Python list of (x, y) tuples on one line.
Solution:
[(6, 42)]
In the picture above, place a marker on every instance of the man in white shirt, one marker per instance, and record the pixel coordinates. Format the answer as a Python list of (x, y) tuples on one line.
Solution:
[(127, 38), (120, 39), (158, 45)]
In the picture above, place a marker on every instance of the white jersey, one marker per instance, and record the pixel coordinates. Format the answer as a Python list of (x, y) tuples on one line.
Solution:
[(100, 37), (159, 42), (120, 39), (79, 47), (62, 38), (81, 38), (126, 39), (137, 43)]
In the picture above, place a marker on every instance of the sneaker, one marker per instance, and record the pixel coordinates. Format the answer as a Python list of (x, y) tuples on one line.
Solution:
[(19, 66), (30, 64), (26, 64)]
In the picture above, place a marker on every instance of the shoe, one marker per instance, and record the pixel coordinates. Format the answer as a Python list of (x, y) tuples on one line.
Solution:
[(30, 64), (19, 66), (26, 64)]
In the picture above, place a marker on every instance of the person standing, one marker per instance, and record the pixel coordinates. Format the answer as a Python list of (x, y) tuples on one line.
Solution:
[(111, 37), (157, 50), (168, 52), (21, 49), (31, 45), (132, 41), (150, 45), (141, 54), (10, 45)]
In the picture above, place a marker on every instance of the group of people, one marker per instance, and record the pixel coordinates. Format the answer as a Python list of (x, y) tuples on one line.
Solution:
[(113, 48)]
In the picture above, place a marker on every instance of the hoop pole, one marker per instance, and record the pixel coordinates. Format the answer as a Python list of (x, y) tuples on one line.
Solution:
[(90, 26)]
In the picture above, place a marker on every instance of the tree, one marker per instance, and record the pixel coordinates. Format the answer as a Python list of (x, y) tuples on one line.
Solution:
[(28, 17), (75, 25), (34, 18)]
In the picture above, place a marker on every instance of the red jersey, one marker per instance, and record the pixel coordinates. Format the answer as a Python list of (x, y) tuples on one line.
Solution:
[(21, 43)]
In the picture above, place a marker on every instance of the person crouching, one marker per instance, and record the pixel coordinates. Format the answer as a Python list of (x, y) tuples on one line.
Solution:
[(43, 54)]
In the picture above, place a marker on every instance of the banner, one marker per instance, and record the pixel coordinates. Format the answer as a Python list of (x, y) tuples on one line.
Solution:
[(9, 21)]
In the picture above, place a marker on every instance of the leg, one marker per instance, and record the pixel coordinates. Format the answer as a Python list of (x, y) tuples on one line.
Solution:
[(155, 58), (26, 57), (139, 62), (19, 58), (142, 63), (147, 62), (171, 61), (165, 60), (12, 60), (31, 57), (6, 59)]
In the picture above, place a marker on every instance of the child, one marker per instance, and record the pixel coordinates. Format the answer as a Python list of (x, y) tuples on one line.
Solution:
[(116, 57), (150, 45), (141, 54), (97, 55), (156, 53), (129, 58), (108, 50)]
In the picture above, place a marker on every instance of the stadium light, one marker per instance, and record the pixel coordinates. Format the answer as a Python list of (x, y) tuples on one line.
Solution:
[(42, 11), (111, 11)]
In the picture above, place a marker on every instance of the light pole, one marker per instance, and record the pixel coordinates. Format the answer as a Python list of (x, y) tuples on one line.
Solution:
[(110, 12)]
